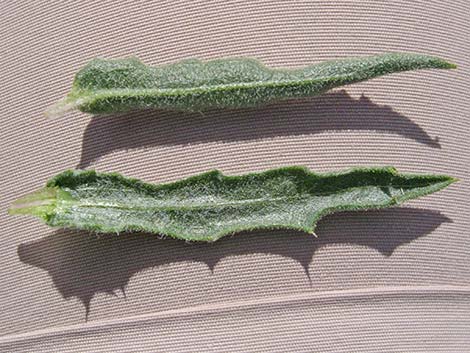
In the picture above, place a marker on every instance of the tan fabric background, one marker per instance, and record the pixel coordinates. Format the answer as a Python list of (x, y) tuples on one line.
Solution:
[(392, 281)]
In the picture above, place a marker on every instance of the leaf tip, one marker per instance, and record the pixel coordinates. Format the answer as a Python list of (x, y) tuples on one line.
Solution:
[(447, 180)]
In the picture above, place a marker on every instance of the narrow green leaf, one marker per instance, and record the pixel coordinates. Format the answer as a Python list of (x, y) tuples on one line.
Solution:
[(107, 86), (209, 206)]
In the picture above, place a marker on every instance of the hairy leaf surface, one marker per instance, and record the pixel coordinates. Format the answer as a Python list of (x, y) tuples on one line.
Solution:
[(209, 206), (107, 86)]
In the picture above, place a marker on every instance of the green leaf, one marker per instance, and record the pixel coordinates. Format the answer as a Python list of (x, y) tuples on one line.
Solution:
[(209, 206), (108, 86)]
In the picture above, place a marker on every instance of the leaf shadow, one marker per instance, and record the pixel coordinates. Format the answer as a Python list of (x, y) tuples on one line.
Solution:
[(82, 264), (332, 111)]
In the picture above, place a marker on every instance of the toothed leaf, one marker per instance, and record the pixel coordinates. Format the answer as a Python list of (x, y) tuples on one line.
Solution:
[(209, 206), (107, 86)]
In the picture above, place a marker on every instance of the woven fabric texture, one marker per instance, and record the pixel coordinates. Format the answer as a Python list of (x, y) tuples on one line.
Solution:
[(396, 280)]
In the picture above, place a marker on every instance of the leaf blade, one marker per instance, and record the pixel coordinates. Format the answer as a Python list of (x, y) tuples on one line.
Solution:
[(209, 206), (108, 86)]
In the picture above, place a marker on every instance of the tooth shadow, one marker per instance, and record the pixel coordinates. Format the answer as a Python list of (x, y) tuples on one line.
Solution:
[(331, 111), (82, 265)]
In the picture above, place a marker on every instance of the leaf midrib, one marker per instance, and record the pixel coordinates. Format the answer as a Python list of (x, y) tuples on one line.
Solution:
[(206, 205), (212, 205), (128, 92)]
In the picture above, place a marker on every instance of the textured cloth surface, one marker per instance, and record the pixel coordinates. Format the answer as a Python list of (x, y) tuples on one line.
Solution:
[(395, 280)]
